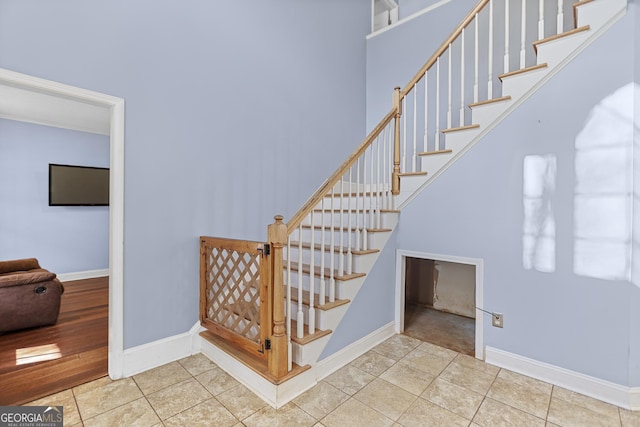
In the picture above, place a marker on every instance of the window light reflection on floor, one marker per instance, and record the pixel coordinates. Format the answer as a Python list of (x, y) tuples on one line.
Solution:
[(27, 355)]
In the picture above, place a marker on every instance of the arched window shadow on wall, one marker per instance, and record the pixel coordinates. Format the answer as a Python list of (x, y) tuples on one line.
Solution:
[(604, 196), (539, 226)]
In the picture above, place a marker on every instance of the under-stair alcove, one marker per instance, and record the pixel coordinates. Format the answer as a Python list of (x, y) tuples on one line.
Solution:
[(439, 300), (440, 303)]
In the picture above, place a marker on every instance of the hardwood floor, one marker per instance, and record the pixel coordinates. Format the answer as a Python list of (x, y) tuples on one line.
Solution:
[(41, 361)]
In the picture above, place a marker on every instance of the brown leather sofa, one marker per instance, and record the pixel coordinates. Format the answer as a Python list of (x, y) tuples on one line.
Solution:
[(29, 295)]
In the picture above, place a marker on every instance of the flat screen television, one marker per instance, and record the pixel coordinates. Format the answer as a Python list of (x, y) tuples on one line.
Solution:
[(78, 185)]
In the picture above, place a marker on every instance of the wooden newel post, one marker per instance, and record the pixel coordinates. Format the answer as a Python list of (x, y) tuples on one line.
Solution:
[(395, 178), (277, 238)]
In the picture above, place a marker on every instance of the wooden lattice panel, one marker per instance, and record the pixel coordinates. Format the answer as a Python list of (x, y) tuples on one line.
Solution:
[(233, 290)]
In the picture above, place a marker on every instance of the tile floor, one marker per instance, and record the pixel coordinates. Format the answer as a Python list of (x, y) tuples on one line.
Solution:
[(401, 382)]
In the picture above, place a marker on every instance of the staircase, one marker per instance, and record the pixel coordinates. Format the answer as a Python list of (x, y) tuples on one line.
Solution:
[(500, 54)]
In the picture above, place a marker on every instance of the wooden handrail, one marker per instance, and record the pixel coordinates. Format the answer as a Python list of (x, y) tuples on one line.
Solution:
[(443, 47), (296, 219)]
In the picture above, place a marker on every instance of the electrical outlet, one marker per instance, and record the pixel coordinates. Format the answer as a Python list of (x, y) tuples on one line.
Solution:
[(497, 320)]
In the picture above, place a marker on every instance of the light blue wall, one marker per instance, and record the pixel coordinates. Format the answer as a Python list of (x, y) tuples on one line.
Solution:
[(634, 300), (235, 111), (64, 239), (393, 57), (561, 318)]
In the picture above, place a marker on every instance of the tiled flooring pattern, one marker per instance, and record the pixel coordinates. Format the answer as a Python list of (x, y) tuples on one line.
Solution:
[(401, 382)]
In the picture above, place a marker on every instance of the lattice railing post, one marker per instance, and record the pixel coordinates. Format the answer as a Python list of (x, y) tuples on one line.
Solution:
[(278, 356), (395, 178)]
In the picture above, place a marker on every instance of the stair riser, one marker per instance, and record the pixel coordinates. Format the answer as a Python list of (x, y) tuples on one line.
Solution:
[(358, 261), (325, 319), (382, 201), (346, 289), (597, 13), (518, 85), (554, 52), (484, 115), (309, 353), (370, 238), (432, 164), (346, 219), (456, 141)]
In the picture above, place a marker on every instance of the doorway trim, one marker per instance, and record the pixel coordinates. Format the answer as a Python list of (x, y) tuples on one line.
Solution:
[(111, 112), (401, 262)]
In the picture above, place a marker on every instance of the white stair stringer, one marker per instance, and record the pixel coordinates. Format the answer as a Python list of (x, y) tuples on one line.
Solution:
[(599, 15)]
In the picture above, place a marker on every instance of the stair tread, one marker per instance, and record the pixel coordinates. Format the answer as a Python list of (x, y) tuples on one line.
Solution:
[(255, 363), (307, 337), (338, 249), (356, 210), (523, 70), (490, 101), (306, 268), (431, 153), (306, 299), (460, 128), (413, 174), (559, 36), (357, 194), (337, 228)]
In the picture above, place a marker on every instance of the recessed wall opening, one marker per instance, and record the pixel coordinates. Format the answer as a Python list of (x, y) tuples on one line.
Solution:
[(437, 300)]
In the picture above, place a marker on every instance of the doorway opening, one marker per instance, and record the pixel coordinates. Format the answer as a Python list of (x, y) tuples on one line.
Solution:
[(438, 301)]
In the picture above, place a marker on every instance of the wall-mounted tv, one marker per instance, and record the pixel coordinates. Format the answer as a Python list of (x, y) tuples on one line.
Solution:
[(78, 185)]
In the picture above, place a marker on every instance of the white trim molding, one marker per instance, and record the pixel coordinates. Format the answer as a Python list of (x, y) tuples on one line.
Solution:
[(151, 355), (103, 109), (81, 275), (616, 394), (401, 256), (279, 395)]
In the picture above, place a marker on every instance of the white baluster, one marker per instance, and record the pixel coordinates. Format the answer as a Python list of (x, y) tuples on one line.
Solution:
[(323, 229), (437, 136), (523, 34), (378, 189), (300, 317), (476, 61), (389, 166), (506, 35), (540, 19), (462, 72), (349, 253), (312, 269), (288, 312), (357, 236), (341, 241), (560, 17), (415, 129), (404, 139), (426, 115), (449, 87), (332, 247), (372, 212), (365, 241), (490, 61)]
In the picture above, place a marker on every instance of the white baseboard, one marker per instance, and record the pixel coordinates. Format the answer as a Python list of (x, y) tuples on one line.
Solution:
[(279, 395), (151, 355), (81, 275), (616, 394)]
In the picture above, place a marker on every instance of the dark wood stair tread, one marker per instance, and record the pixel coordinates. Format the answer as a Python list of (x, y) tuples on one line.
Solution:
[(255, 363), (337, 249), (307, 337), (306, 268), (306, 299)]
